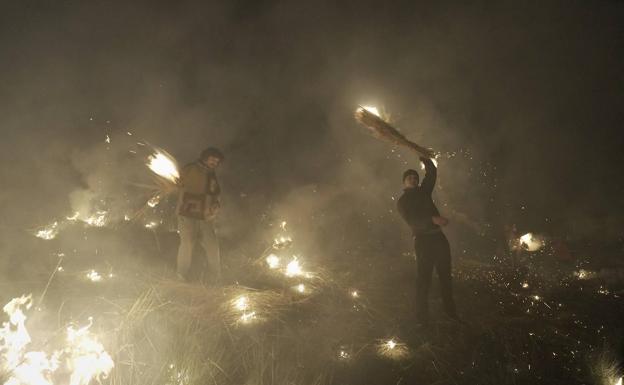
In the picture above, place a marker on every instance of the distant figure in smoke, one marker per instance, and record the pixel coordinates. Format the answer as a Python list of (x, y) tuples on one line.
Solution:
[(432, 248), (198, 205)]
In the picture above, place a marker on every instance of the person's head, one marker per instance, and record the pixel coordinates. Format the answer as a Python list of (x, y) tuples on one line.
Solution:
[(211, 157), (410, 178)]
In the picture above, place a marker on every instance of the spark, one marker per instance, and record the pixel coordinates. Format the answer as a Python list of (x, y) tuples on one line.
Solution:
[(60, 269), (355, 294), (164, 166), (530, 242), (48, 232), (525, 285), (283, 225), (273, 261), (107, 140), (301, 288)]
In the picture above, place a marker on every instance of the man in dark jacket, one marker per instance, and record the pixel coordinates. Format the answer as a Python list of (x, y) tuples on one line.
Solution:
[(432, 248)]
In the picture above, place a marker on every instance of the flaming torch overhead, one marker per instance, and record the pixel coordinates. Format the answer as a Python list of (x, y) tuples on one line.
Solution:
[(164, 165), (371, 119)]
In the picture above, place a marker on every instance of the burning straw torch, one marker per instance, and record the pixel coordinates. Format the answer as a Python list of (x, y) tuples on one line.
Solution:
[(381, 129)]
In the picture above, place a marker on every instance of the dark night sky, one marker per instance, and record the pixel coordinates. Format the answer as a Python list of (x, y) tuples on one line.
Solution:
[(534, 89)]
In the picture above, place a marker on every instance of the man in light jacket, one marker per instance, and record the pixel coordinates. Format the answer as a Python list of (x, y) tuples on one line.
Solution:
[(198, 205)]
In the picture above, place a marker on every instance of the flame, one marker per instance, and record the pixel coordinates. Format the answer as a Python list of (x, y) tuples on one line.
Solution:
[(85, 357), (373, 110), (13, 336), (293, 268), (164, 166)]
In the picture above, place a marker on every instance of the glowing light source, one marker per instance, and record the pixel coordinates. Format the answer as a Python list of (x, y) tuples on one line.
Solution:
[(293, 268), (373, 110), (301, 288), (94, 276), (355, 294), (530, 242), (241, 303)]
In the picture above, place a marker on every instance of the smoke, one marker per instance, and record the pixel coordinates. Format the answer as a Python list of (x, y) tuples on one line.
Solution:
[(507, 94)]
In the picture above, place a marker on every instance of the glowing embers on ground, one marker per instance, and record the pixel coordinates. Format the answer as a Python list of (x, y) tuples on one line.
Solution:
[(282, 242), (393, 348), (48, 232), (164, 165), (273, 261), (84, 356), (242, 304), (585, 274), (94, 276)]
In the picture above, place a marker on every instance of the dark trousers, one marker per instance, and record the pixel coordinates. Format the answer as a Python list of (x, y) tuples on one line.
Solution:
[(432, 250)]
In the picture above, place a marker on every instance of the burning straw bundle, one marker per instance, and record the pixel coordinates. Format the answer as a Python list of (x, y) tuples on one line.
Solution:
[(382, 130)]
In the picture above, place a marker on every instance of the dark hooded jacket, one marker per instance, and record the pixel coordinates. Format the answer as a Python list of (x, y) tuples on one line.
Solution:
[(416, 205)]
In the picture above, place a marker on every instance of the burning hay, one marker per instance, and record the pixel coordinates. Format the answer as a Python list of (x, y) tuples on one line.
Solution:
[(371, 119)]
